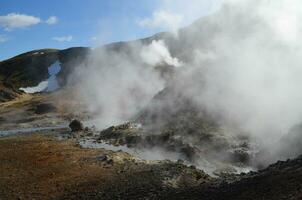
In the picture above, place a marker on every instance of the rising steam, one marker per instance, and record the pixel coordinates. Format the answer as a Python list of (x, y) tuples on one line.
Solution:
[(242, 62), (115, 85), (157, 53)]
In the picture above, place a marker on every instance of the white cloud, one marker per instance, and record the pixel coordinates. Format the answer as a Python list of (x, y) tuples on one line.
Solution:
[(94, 38), (170, 15), (52, 20), (67, 38), (14, 20), (163, 19), (3, 38)]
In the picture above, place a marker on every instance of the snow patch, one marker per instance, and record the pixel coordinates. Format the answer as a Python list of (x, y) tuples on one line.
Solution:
[(39, 88), (49, 85), (38, 52)]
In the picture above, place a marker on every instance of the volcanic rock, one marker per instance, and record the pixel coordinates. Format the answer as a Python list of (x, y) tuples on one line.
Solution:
[(44, 108), (76, 126)]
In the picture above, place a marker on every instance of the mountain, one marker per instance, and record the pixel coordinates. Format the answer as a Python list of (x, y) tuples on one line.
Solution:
[(30, 68)]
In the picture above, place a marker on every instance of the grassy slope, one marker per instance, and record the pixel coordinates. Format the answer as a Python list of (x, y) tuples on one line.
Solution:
[(27, 69)]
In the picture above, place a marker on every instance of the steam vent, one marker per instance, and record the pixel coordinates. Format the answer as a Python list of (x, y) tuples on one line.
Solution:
[(174, 99)]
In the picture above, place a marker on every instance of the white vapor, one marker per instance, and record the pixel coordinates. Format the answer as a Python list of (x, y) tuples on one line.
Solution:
[(244, 64), (116, 84), (157, 53), (241, 63)]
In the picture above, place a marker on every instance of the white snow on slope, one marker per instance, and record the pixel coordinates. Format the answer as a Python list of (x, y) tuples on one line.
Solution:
[(48, 85)]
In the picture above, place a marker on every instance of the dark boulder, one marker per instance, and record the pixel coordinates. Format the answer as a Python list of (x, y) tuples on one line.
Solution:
[(76, 126), (44, 108)]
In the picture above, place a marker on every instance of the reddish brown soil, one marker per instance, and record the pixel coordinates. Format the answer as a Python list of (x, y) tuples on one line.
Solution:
[(39, 167)]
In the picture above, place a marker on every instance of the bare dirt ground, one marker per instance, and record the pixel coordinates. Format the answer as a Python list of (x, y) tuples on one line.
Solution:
[(26, 111), (42, 164), (42, 167), (39, 167)]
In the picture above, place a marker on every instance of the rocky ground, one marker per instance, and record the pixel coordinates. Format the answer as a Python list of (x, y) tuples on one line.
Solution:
[(47, 161), (42, 167)]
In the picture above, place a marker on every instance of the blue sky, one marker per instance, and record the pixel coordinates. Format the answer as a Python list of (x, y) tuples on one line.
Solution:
[(33, 24)]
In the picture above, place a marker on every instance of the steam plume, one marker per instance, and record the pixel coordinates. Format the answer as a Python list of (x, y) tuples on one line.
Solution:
[(242, 62)]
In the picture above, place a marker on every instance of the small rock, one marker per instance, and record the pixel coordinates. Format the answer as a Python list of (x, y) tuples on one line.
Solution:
[(109, 161), (44, 108), (76, 126), (102, 158)]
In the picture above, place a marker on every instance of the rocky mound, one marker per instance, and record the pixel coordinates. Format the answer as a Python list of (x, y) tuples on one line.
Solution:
[(76, 126), (282, 180), (44, 108), (176, 124)]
